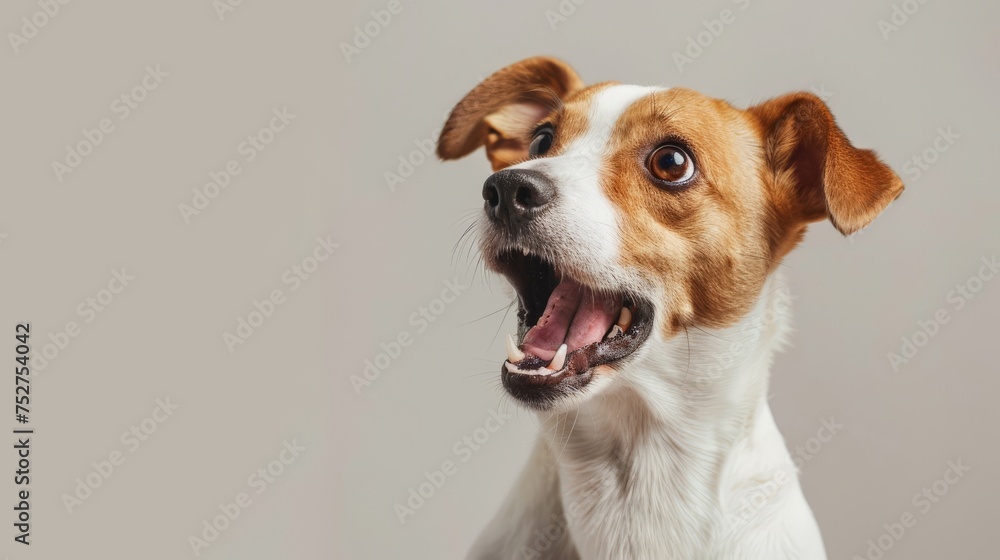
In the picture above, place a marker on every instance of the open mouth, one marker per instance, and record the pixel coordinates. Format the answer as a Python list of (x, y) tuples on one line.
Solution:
[(566, 329)]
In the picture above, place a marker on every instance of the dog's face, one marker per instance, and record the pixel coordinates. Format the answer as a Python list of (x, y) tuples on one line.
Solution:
[(616, 211)]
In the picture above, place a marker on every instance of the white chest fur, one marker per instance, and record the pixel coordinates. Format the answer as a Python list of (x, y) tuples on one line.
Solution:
[(678, 457)]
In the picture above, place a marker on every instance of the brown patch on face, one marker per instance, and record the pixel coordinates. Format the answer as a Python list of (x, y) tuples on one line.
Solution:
[(762, 176), (704, 244)]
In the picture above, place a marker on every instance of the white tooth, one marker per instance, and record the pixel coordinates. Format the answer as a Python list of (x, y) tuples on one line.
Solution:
[(525, 251), (514, 353), (559, 360), (615, 331), (625, 319), (543, 371)]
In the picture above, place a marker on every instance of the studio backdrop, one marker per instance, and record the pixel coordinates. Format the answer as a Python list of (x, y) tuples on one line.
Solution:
[(235, 270)]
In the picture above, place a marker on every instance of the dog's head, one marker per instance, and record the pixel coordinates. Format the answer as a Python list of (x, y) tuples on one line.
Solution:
[(617, 210)]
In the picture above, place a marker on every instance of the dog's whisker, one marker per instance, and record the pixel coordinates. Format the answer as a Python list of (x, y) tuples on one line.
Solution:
[(469, 215), (490, 314), (457, 247), (500, 326), (480, 373), (569, 435)]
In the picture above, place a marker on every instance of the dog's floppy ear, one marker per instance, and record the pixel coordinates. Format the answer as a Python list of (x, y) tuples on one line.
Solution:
[(809, 155), (502, 111)]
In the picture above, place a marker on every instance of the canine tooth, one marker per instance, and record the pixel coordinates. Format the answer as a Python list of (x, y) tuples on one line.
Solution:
[(559, 360), (525, 251), (514, 353), (625, 319), (615, 331)]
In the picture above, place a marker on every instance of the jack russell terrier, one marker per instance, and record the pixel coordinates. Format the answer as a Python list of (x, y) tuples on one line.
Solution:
[(641, 228)]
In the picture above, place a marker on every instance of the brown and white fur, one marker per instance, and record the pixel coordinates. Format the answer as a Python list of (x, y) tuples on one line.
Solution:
[(657, 453)]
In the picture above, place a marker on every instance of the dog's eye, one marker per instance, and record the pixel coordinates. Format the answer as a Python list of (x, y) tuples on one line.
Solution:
[(670, 164), (541, 142)]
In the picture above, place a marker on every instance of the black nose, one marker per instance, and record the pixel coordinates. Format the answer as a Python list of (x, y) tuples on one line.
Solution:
[(515, 196)]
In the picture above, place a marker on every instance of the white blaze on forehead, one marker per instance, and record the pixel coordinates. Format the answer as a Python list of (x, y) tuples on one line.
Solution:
[(583, 224), (606, 108)]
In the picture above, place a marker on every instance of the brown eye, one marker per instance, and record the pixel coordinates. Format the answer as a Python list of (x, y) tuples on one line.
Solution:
[(541, 142), (670, 164)]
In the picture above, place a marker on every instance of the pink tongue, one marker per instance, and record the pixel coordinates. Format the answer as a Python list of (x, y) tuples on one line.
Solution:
[(574, 315)]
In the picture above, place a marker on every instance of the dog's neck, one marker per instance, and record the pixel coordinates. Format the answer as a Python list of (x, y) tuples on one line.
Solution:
[(659, 446)]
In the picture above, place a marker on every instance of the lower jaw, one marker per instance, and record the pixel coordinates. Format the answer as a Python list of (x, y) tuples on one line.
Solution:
[(542, 392)]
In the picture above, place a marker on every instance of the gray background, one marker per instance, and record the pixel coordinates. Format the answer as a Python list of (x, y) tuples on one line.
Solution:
[(324, 175)]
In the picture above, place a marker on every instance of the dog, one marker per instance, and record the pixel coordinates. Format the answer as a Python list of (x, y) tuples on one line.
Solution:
[(641, 229)]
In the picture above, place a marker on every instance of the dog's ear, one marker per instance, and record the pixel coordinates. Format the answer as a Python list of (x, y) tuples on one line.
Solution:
[(502, 111), (822, 174)]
